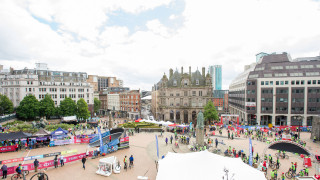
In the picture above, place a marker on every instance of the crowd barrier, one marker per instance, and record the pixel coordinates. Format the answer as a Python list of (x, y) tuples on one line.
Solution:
[(37, 157), (8, 148), (47, 164)]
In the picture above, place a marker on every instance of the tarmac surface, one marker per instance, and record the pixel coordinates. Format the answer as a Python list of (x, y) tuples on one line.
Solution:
[(143, 148)]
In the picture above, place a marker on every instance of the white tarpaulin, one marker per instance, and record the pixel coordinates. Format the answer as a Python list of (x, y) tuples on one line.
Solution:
[(205, 165)]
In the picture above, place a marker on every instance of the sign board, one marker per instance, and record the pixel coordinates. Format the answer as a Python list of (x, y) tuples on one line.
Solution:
[(250, 104)]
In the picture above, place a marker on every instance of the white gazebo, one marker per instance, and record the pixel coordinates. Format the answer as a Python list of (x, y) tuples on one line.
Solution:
[(106, 165), (205, 166)]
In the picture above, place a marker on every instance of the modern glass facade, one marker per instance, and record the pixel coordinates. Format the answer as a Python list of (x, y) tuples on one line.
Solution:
[(216, 76)]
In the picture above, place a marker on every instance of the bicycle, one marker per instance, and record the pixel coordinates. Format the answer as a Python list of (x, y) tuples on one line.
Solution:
[(290, 174), (40, 176), (274, 165), (23, 173), (131, 165)]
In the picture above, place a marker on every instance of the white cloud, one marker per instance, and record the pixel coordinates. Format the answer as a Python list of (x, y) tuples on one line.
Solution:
[(229, 33)]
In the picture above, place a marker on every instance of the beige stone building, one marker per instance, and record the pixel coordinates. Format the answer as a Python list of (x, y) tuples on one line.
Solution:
[(180, 97)]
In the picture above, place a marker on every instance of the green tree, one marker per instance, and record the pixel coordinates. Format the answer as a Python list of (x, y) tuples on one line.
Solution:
[(47, 107), (6, 106), (82, 109), (210, 112), (97, 104), (67, 107), (28, 108)]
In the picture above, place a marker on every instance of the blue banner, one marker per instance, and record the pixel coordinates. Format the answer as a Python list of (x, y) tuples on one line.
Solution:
[(190, 126), (96, 138), (100, 137), (157, 146), (250, 152)]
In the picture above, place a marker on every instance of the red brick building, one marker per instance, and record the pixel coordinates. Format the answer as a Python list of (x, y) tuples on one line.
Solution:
[(130, 102)]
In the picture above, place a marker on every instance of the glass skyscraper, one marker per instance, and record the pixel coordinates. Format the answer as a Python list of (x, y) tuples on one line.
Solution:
[(216, 76)]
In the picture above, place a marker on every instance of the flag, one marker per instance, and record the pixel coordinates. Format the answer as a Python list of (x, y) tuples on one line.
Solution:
[(100, 137), (157, 146), (250, 152), (190, 126)]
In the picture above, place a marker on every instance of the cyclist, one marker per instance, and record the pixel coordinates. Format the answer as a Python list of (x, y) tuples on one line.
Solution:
[(282, 176), (293, 168), (307, 171), (131, 160), (278, 163), (270, 159), (18, 170), (125, 160), (272, 174), (284, 154)]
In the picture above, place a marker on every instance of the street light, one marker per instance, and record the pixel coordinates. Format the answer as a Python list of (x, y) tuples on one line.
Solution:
[(299, 118)]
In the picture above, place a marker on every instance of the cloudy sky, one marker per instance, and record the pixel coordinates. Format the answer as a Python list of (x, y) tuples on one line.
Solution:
[(139, 40)]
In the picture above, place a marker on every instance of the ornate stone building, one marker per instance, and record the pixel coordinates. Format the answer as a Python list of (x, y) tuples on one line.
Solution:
[(180, 97)]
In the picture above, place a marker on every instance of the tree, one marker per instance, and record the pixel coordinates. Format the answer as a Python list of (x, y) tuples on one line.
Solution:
[(210, 112), (6, 106), (47, 107), (82, 109), (67, 107), (28, 108), (97, 104)]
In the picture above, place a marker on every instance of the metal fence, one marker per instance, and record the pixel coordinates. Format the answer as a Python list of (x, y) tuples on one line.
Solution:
[(7, 117)]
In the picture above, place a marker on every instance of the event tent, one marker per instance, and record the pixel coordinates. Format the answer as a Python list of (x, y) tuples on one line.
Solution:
[(205, 165), (59, 133), (42, 132), (14, 135)]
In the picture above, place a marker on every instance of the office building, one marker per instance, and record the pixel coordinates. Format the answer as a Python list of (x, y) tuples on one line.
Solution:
[(216, 76), (278, 91)]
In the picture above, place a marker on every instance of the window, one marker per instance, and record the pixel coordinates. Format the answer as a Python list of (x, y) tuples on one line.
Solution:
[(174, 82), (271, 82), (282, 100), (318, 81), (296, 74), (314, 91), (281, 83), (286, 82), (276, 67), (297, 91), (266, 108), (193, 93), (309, 81), (292, 82), (185, 93), (259, 69), (314, 82), (200, 93), (277, 82), (292, 67), (254, 76), (280, 74), (302, 82), (312, 73), (197, 82), (297, 82), (281, 109), (267, 82), (185, 82), (262, 82), (307, 66), (282, 91), (267, 75)]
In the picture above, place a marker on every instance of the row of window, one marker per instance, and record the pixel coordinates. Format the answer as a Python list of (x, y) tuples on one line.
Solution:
[(294, 82), (309, 66)]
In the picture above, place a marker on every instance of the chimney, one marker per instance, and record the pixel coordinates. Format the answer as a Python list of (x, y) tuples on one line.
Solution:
[(190, 70), (170, 73), (181, 70), (203, 72)]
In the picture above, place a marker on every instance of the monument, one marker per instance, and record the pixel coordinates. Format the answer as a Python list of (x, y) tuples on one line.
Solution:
[(200, 129)]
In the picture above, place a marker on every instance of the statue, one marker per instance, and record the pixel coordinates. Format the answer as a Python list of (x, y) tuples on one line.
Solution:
[(200, 129)]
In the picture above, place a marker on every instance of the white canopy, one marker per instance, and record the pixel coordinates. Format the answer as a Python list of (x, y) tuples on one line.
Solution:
[(205, 165)]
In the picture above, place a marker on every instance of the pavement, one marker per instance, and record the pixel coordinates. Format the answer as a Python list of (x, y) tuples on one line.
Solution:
[(143, 148)]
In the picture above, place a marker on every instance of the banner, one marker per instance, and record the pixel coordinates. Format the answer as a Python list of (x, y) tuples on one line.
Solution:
[(12, 160), (51, 154), (96, 138), (69, 151), (250, 152), (8, 148), (100, 138), (157, 146), (82, 140), (61, 142), (47, 164), (124, 142)]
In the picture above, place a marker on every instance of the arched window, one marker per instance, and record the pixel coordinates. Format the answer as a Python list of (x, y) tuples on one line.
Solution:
[(197, 82)]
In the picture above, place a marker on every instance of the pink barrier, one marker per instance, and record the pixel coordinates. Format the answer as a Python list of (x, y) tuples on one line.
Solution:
[(47, 164), (8, 148)]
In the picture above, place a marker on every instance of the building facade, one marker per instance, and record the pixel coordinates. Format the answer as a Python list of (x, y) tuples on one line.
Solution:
[(130, 103), (41, 81), (182, 96), (113, 102), (278, 91), (220, 100), (216, 76)]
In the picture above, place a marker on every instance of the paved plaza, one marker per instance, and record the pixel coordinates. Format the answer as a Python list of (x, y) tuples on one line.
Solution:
[(143, 148)]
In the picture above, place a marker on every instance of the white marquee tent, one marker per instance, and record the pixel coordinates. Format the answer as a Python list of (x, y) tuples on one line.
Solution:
[(205, 165)]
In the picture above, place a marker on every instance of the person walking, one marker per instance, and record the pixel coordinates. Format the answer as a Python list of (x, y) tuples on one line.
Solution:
[(171, 138), (55, 160), (83, 162), (216, 142), (4, 169), (166, 140), (36, 165), (61, 160)]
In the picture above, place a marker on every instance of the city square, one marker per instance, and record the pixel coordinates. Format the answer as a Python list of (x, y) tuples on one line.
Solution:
[(160, 89)]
